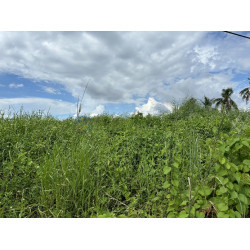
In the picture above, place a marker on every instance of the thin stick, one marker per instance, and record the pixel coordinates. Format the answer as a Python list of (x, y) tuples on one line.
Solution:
[(189, 184), (189, 187), (112, 198), (213, 206), (79, 103)]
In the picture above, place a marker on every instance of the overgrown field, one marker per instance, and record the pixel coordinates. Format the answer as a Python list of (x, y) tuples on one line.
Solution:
[(185, 164)]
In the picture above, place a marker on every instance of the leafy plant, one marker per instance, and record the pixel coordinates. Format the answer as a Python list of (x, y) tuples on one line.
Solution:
[(226, 102)]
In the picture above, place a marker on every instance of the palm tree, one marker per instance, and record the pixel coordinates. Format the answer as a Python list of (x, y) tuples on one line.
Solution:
[(225, 101), (207, 102), (245, 93)]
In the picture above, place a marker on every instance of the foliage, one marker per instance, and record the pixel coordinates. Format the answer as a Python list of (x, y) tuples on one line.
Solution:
[(245, 93), (193, 162), (226, 102), (207, 103)]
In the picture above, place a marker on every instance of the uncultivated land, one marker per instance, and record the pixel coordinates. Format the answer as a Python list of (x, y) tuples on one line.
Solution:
[(190, 163)]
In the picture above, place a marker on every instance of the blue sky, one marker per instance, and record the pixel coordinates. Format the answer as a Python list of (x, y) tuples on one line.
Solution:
[(125, 71)]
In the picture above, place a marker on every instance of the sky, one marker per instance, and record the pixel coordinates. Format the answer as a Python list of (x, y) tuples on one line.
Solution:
[(126, 72)]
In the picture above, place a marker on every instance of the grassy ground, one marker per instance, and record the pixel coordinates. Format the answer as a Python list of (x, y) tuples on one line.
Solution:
[(191, 163)]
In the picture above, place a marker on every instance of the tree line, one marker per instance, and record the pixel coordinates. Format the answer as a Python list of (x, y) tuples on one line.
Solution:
[(225, 101)]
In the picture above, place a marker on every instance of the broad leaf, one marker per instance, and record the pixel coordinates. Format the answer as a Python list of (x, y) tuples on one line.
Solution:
[(205, 191), (222, 207), (222, 215), (243, 199), (166, 170), (222, 160), (175, 183), (221, 190), (183, 214), (166, 184)]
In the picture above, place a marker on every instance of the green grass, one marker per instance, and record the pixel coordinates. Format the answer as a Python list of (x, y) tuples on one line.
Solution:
[(167, 166)]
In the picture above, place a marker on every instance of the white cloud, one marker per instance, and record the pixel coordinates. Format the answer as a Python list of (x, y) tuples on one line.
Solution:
[(54, 107), (15, 85), (206, 55), (51, 90), (119, 65), (206, 84), (125, 67), (98, 111), (153, 107)]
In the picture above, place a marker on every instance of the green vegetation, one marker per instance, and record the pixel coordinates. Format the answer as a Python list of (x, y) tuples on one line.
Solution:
[(225, 102), (207, 102), (194, 162), (245, 93)]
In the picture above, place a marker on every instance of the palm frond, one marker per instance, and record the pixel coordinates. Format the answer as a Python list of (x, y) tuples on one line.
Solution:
[(245, 93), (233, 104), (245, 90)]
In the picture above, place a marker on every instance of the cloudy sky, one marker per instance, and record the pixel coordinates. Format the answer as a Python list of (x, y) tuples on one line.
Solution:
[(125, 71)]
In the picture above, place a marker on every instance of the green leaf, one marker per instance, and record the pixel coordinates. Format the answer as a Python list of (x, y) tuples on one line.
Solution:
[(224, 180), (215, 130), (222, 160), (173, 191), (107, 215), (166, 170), (200, 214), (246, 168), (238, 146), (183, 214), (237, 177), (237, 214), (122, 216), (197, 205), (192, 212), (233, 142), (234, 166), (243, 199), (166, 184), (236, 187), (241, 208), (222, 215), (155, 199), (222, 172), (247, 162), (176, 164), (221, 190), (232, 213), (234, 195), (230, 185), (246, 144), (205, 191), (171, 215), (247, 191), (171, 203), (184, 203), (222, 207), (247, 131), (175, 183)]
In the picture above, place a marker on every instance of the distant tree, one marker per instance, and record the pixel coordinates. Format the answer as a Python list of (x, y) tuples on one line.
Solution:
[(190, 106), (245, 93), (207, 102), (225, 102)]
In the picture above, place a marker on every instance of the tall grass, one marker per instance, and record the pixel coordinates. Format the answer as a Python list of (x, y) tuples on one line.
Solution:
[(114, 167)]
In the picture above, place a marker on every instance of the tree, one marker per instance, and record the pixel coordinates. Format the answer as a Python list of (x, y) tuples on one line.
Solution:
[(190, 106), (245, 93), (207, 102), (225, 101)]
